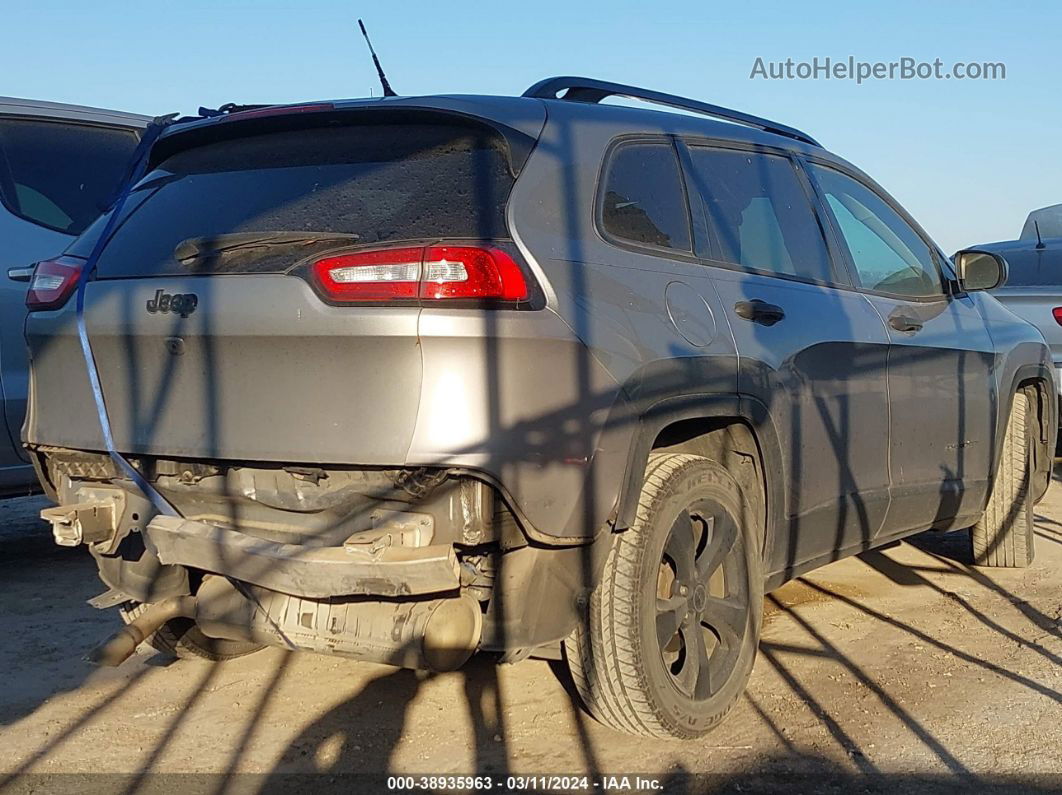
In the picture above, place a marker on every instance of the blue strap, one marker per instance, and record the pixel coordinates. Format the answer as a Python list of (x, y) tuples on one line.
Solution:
[(136, 171)]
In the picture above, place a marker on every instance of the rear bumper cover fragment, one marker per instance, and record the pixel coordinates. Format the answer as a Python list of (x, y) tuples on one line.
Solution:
[(310, 572)]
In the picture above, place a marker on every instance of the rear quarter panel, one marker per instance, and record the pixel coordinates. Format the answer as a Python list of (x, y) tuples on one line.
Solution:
[(1022, 355), (652, 323)]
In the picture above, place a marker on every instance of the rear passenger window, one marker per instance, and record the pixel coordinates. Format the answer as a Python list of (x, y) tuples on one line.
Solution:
[(61, 175), (644, 201), (759, 213)]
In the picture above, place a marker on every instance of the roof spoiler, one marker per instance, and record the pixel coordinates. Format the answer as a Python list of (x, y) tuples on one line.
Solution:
[(585, 89), (238, 121)]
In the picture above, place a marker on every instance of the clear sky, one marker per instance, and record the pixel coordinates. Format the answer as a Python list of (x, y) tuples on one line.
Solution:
[(968, 158)]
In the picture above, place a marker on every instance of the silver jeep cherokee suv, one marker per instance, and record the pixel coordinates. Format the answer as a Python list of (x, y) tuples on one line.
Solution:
[(530, 375)]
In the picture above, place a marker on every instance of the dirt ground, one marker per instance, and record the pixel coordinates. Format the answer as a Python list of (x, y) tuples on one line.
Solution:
[(902, 670)]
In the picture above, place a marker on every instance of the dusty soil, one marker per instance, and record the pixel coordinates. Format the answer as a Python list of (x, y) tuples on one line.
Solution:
[(905, 669)]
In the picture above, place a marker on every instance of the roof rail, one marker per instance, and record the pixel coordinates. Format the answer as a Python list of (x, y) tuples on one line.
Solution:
[(585, 89)]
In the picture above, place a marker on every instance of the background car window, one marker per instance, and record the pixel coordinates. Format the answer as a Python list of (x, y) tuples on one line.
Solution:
[(888, 254), (61, 175), (759, 213), (644, 201), (1045, 222)]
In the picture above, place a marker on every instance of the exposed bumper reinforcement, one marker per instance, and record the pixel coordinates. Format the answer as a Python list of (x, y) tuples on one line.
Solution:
[(310, 572)]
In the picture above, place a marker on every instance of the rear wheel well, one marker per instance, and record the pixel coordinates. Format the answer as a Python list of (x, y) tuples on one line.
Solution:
[(1042, 396), (731, 442), (1044, 450)]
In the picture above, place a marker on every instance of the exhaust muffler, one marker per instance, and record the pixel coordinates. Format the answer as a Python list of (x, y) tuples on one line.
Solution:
[(435, 634)]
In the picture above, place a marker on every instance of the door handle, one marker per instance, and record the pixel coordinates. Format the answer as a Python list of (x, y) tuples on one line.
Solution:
[(759, 311), (902, 322), (20, 274)]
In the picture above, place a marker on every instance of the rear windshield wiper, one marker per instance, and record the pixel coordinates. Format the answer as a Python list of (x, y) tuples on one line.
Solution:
[(197, 248)]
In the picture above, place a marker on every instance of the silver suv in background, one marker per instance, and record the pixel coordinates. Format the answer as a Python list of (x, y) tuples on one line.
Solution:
[(59, 167), (1033, 290), (409, 378)]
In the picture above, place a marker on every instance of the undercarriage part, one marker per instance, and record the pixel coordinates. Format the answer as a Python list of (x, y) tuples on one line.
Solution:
[(537, 594), (121, 645), (379, 567), (437, 634), (404, 529), (295, 504), (82, 523), (135, 571), (98, 516), (76, 464)]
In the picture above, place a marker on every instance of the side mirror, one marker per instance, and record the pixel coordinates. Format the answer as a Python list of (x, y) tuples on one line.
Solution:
[(980, 270)]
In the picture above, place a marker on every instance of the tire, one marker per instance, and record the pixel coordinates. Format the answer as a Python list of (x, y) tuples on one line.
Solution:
[(182, 638), (693, 531), (1004, 535)]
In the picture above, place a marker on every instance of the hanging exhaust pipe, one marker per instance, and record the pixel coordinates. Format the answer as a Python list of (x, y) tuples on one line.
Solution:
[(433, 634), (120, 646)]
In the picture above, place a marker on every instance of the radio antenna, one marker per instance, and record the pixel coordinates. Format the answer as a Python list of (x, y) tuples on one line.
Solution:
[(387, 90)]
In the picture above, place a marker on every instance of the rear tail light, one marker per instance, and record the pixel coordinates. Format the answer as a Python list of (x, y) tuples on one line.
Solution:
[(425, 273), (53, 282), (1057, 312)]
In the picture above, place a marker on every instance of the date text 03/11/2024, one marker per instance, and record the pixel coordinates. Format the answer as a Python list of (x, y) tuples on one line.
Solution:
[(552, 783)]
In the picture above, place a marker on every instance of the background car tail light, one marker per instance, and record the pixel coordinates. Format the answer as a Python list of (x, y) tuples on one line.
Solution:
[(1057, 312), (53, 282), (426, 273)]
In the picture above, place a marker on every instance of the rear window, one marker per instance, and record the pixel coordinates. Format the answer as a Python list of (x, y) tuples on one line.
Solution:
[(375, 184), (61, 175)]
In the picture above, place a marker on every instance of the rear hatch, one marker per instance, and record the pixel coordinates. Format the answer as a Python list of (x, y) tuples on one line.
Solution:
[(212, 336)]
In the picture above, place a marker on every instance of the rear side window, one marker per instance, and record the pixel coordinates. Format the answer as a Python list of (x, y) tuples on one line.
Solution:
[(759, 214), (247, 200), (61, 175), (644, 202)]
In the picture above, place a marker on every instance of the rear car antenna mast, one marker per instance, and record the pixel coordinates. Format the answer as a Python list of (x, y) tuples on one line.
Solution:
[(387, 90)]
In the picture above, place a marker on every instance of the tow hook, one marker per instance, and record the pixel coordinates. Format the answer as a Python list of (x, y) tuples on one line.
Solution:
[(83, 523), (100, 517)]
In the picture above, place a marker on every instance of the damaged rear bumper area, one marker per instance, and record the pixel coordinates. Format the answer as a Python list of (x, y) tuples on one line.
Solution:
[(404, 567), (371, 566)]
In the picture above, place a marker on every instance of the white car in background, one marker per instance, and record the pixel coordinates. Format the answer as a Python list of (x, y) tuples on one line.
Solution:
[(1033, 290), (59, 167)]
